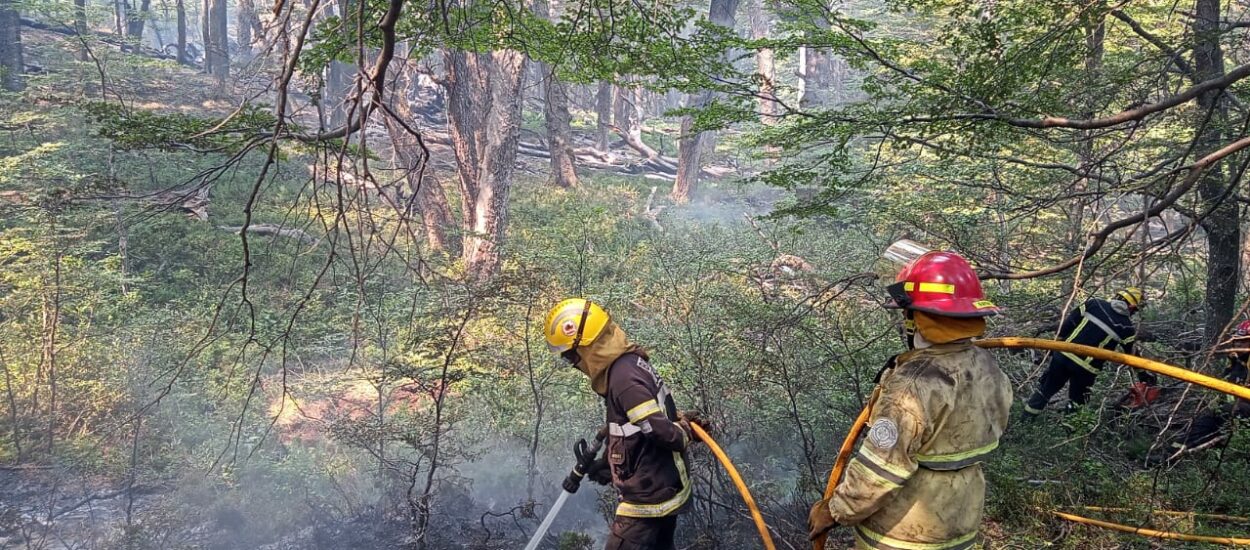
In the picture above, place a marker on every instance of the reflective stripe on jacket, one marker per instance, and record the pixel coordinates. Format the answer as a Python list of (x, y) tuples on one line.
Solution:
[(1097, 323), (915, 482), (646, 447)]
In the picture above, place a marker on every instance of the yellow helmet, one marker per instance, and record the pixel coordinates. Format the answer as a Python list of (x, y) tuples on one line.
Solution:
[(574, 322), (1132, 296)]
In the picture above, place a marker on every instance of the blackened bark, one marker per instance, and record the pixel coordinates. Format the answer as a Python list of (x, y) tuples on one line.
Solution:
[(12, 61), (690, 144), (1223, 225), (484, 115)]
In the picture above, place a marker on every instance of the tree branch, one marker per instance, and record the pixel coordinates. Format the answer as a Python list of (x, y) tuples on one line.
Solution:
[(1100, 238)]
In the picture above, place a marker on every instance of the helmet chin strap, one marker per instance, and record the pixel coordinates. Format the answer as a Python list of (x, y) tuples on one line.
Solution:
[(909, 328), (571, 354)]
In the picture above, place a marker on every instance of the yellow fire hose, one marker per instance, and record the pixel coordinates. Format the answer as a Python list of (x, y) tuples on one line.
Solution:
[(737, 479), (1171, 513), (1153, 533), (1122, 358), (844, 453)]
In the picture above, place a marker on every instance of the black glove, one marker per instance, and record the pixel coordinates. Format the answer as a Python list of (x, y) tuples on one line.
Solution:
[(600, 472), (585, 455), (1148, 377)]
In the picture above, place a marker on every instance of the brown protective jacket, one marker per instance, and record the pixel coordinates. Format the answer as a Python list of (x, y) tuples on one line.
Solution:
[(916, 481)]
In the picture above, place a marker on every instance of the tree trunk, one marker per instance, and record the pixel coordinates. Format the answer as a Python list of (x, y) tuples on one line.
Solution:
[(135, 20), (823, 78), (248, 23), (627, 113), (690, 144), (603, 113), (80, 26), (12, 63), (484, 116), (216, 40), (426, 190), (180, 10), (1223, 225), (556, 113), (765, 66)]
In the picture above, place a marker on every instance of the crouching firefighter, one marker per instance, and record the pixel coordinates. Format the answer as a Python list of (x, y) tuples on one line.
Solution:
[(1212, 425), (1098, 323), (647, 436), (916, 482)]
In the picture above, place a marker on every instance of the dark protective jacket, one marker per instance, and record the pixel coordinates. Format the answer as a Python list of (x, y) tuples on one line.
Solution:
[(646, 446), (1100, 324), (916, 480)]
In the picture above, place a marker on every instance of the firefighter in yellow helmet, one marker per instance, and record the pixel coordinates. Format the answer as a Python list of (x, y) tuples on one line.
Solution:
[(1098, 323), (915, 481), (647, 436)]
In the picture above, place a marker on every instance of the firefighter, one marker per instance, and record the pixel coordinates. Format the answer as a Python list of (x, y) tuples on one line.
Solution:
[(916, 479), (1098, 323), (1208, 426), (647, 436)]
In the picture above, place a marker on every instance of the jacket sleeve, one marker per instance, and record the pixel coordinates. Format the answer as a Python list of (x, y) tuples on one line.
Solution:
[(885, 459), (634, 394)]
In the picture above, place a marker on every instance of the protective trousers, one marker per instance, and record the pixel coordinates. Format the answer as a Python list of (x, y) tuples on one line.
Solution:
[(642, 533), (1058, 373)]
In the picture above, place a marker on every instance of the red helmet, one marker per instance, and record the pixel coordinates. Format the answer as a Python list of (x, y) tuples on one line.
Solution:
[(1243, 329), (941, 283)]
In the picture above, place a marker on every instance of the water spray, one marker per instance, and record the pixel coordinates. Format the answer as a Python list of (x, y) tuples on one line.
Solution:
[(586, 455)]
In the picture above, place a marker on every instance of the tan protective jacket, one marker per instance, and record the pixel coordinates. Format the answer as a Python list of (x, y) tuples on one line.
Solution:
[(916, 482)]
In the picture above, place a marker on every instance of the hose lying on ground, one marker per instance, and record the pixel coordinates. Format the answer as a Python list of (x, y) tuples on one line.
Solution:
[(737, 479), (1153, 533), (1171, 513)]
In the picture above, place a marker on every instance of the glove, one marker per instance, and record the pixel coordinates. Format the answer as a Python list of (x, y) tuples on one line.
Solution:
[(600, 472), (585, 456), (685, 418), (1147, 378), (819, 520)]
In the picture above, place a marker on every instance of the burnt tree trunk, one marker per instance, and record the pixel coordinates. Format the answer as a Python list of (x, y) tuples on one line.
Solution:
[(1223, 225), (690, 144), (424, 188), (603, 114), (484, 117), (12, 62), (556, 113)]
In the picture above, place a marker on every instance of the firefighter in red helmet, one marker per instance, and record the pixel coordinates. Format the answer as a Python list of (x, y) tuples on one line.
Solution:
[(916, 479)]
